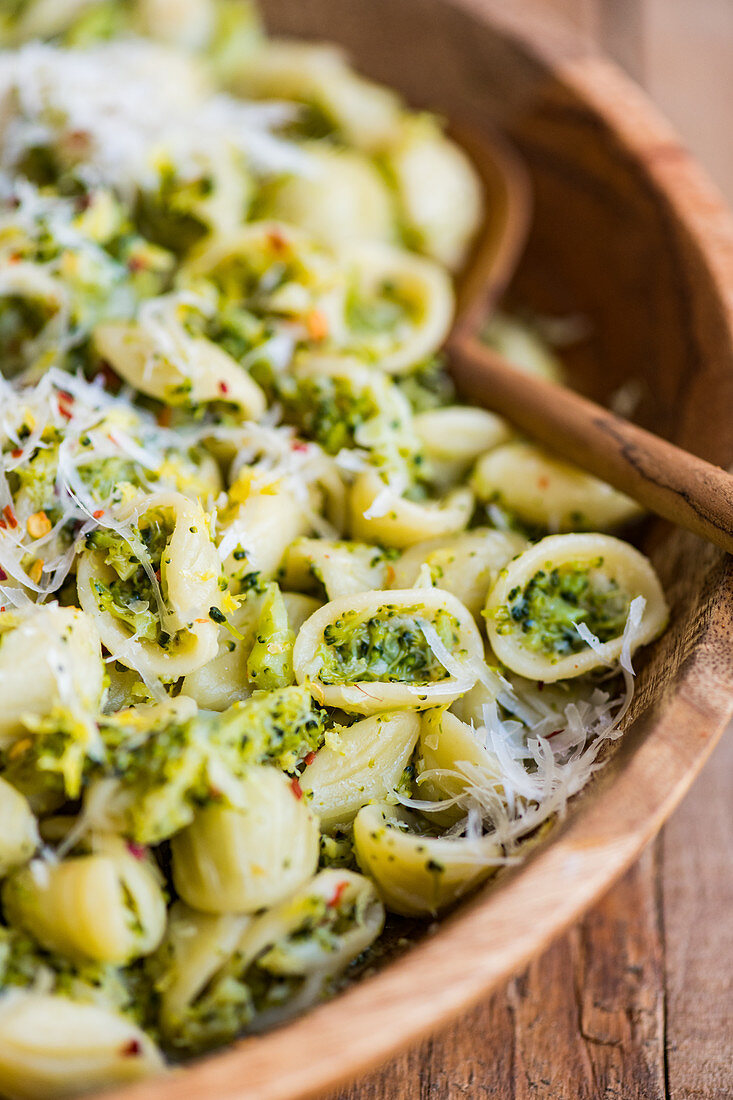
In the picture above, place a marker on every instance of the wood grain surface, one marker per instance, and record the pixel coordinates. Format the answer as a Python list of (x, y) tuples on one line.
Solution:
[(636, 1001)]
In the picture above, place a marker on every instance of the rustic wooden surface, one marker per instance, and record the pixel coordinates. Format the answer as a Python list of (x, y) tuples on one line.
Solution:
[(636, 1001)]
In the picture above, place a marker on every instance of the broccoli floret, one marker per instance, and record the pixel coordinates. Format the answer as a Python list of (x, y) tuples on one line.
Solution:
[(388, 647), (552, 603), (169, 770), (119, 988)]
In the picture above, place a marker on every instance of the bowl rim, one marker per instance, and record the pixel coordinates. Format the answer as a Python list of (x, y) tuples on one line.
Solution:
[(501, 929)]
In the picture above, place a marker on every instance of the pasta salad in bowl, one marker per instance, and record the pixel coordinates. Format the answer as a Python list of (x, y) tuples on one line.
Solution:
[(292, 642)]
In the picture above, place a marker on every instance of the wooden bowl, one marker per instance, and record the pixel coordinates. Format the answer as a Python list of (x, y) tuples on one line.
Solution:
[(628, 233)]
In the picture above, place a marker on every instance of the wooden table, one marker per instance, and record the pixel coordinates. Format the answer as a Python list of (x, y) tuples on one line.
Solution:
[(636, 1001)]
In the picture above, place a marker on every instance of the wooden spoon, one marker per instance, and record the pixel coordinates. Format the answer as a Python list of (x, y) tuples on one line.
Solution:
[(662, 477)]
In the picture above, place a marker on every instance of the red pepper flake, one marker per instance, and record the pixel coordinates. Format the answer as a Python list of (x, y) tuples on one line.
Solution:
[(136, 263), (277, 241), (38, 525), (296, 788), (300, 446), (3, 576), (309, 758), (223, 387), (164, 417), (66, 404), (3, 525), (157, 575), (554, 733), (139, 851), (79, 139), (17, 452), (131, 1049), (543, 482), (10, 516), (338, 894), (98, 514)]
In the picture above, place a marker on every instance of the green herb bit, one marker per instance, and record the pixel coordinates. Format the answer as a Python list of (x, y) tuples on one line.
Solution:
[(130, 596), (389, 647), (549, 607)]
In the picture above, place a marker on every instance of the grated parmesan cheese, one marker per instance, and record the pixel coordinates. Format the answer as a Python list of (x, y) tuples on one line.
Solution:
[(115, 109), (544, 755)]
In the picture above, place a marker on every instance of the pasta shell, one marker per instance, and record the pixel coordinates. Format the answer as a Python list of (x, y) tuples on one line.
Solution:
[(417, 875), (52, 1048), (352, 651), (365, 764), (107, 906), (249, 856), (532, 610)]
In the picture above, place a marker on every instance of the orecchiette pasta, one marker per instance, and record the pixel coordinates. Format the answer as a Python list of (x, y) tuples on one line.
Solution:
[(561, 607), (40, 303), (52, 1048), (18, 829), (344, 915), (196, 947), (164, 361), (49, 657), (465, 564), (108, 906), (442, 218), (305, 274), (365, 763), (451, 756), (543, 490), (417, 874), (344, 402), (162, 629), (357, 908), (399, 308), (343, 198), (365, 114), (343, 568), (223, 975), (272, 606), (259, 531), (454, 437), (521, 345), (251, 855), (180, 210), (381, 651), (381, 514)]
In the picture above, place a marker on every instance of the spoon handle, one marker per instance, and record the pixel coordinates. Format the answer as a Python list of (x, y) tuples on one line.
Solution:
[(665, 479)]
